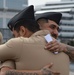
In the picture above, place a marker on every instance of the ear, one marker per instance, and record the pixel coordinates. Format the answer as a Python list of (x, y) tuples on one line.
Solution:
[(22, 30), (40, 26)]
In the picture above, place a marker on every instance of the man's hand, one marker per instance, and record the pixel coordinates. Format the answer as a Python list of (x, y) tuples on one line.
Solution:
[(55, 46), (47, 70)]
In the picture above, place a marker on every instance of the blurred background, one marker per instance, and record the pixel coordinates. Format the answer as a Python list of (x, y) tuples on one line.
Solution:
[(8, 8)]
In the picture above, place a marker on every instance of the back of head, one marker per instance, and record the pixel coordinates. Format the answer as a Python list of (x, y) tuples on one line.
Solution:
[(29, 24), (1, 38), (54, 16), (25, 18)]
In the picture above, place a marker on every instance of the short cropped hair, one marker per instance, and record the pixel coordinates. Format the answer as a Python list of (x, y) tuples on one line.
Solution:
[(42, 21), (29, 24)]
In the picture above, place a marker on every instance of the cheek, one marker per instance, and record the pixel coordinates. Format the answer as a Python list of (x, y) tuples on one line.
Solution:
[(51, 31), (16, 35)]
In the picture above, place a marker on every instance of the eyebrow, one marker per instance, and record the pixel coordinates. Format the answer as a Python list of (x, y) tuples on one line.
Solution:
[(54, 26)]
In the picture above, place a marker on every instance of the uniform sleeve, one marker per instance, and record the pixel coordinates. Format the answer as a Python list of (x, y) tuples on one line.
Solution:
[(10, 50), (8, 63)]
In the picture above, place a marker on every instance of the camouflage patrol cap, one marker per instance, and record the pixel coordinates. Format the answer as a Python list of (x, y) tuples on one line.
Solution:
[(54, 16), (27, 14)]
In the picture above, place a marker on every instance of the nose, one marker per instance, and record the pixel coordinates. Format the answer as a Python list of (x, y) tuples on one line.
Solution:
[(56, 32)]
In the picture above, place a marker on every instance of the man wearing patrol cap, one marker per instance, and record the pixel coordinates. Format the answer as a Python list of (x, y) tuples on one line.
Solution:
[(50, 21), (53, 26), (26, 52)]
